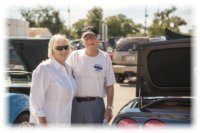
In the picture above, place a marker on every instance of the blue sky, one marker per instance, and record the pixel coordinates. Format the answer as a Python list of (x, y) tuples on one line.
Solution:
[(130, 8)]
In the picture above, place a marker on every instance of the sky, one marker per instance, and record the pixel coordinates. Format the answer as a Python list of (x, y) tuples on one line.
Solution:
[(133, 9)]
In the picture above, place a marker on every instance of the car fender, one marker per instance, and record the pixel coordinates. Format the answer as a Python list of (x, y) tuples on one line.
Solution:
[(17, 103)]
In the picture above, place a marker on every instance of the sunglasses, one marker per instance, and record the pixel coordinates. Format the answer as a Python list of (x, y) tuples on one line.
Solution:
[(60, 48)]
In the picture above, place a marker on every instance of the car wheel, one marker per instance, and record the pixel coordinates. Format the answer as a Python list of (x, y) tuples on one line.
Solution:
[(119, 78), (22, 120)]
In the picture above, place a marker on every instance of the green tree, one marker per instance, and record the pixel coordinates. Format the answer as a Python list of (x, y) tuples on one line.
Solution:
[(29, 15), (120, 25), (94, 17), (77, 28), (46, 17), (163, 20)]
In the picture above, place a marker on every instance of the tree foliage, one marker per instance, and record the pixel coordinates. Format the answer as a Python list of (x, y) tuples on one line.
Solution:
[(77, 28), (164, 19), (93, 17), (28, 15), (120, 25), (44, 17)]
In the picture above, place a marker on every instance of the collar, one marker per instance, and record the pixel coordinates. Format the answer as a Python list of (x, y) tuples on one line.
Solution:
[(56, 64)]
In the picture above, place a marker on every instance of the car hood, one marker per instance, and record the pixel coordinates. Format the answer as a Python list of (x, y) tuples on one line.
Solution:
[(30, 51), (164, 69)]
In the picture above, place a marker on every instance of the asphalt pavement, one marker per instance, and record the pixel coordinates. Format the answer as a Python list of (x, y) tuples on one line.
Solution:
[(123, 93)]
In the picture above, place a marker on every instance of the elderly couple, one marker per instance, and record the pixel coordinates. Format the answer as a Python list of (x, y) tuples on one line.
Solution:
[(70, 89)]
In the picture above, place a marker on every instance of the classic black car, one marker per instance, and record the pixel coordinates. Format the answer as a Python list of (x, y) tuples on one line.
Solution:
[(163, 86)]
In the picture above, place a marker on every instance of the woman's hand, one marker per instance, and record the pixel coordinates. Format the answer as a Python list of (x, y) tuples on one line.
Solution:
[(42, 121)]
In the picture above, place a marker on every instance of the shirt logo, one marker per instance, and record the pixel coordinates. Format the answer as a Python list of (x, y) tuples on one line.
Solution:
[(98, 67)]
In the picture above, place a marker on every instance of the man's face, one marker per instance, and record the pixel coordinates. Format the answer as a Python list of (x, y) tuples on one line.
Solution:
[(90, 41)]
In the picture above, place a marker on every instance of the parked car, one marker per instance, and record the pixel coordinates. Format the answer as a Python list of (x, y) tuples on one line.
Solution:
[(18, 85), (124, 57), (24, 55), (103, 46), (79, 45), (157, 39), (112, 41), (163, 87), (76, 44)]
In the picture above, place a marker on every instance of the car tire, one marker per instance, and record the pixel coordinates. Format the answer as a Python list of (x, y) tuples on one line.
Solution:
[(119, 78), (22, 120)]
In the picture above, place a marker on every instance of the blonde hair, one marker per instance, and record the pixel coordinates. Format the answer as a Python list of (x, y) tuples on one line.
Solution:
[(55, 39)]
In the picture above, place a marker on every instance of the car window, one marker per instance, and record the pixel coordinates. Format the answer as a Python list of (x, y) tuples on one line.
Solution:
[(128, 46), (15, 61)]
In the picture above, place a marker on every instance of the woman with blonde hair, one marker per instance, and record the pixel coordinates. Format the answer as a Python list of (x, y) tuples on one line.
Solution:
[(53, 86)]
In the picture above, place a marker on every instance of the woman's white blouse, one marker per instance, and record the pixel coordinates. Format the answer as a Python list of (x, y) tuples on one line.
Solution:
[(52, 90)]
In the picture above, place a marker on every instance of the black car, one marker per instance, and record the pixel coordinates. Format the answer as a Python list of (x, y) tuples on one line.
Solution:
[(24, 55), (163, 86)]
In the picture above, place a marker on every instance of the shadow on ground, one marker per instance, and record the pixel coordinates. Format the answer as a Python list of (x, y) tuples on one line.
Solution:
[(129, 83)]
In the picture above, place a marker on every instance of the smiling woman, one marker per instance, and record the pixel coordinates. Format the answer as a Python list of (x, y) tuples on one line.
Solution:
[(57, 44), (53, 86)]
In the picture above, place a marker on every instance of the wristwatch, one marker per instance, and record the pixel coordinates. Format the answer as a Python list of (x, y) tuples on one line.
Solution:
[(110, 107)]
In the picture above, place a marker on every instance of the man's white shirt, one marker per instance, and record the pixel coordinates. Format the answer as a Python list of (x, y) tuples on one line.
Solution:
[(92, 74)]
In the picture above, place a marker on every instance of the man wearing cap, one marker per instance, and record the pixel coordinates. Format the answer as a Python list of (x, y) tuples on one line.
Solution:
[(92, 69)]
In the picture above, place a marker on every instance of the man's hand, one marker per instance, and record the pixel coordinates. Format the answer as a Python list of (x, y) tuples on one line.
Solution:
[(108, 115), (108, 112)]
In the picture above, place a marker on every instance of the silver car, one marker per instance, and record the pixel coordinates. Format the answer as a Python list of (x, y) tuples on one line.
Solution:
[(125, 57)]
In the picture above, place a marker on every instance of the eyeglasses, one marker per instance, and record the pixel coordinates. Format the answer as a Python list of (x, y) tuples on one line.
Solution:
[(60, 48)]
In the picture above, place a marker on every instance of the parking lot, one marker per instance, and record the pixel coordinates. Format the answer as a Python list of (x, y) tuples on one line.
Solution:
[(122, 94)]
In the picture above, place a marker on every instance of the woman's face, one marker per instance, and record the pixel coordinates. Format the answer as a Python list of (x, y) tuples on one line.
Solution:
[(61, 52)]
